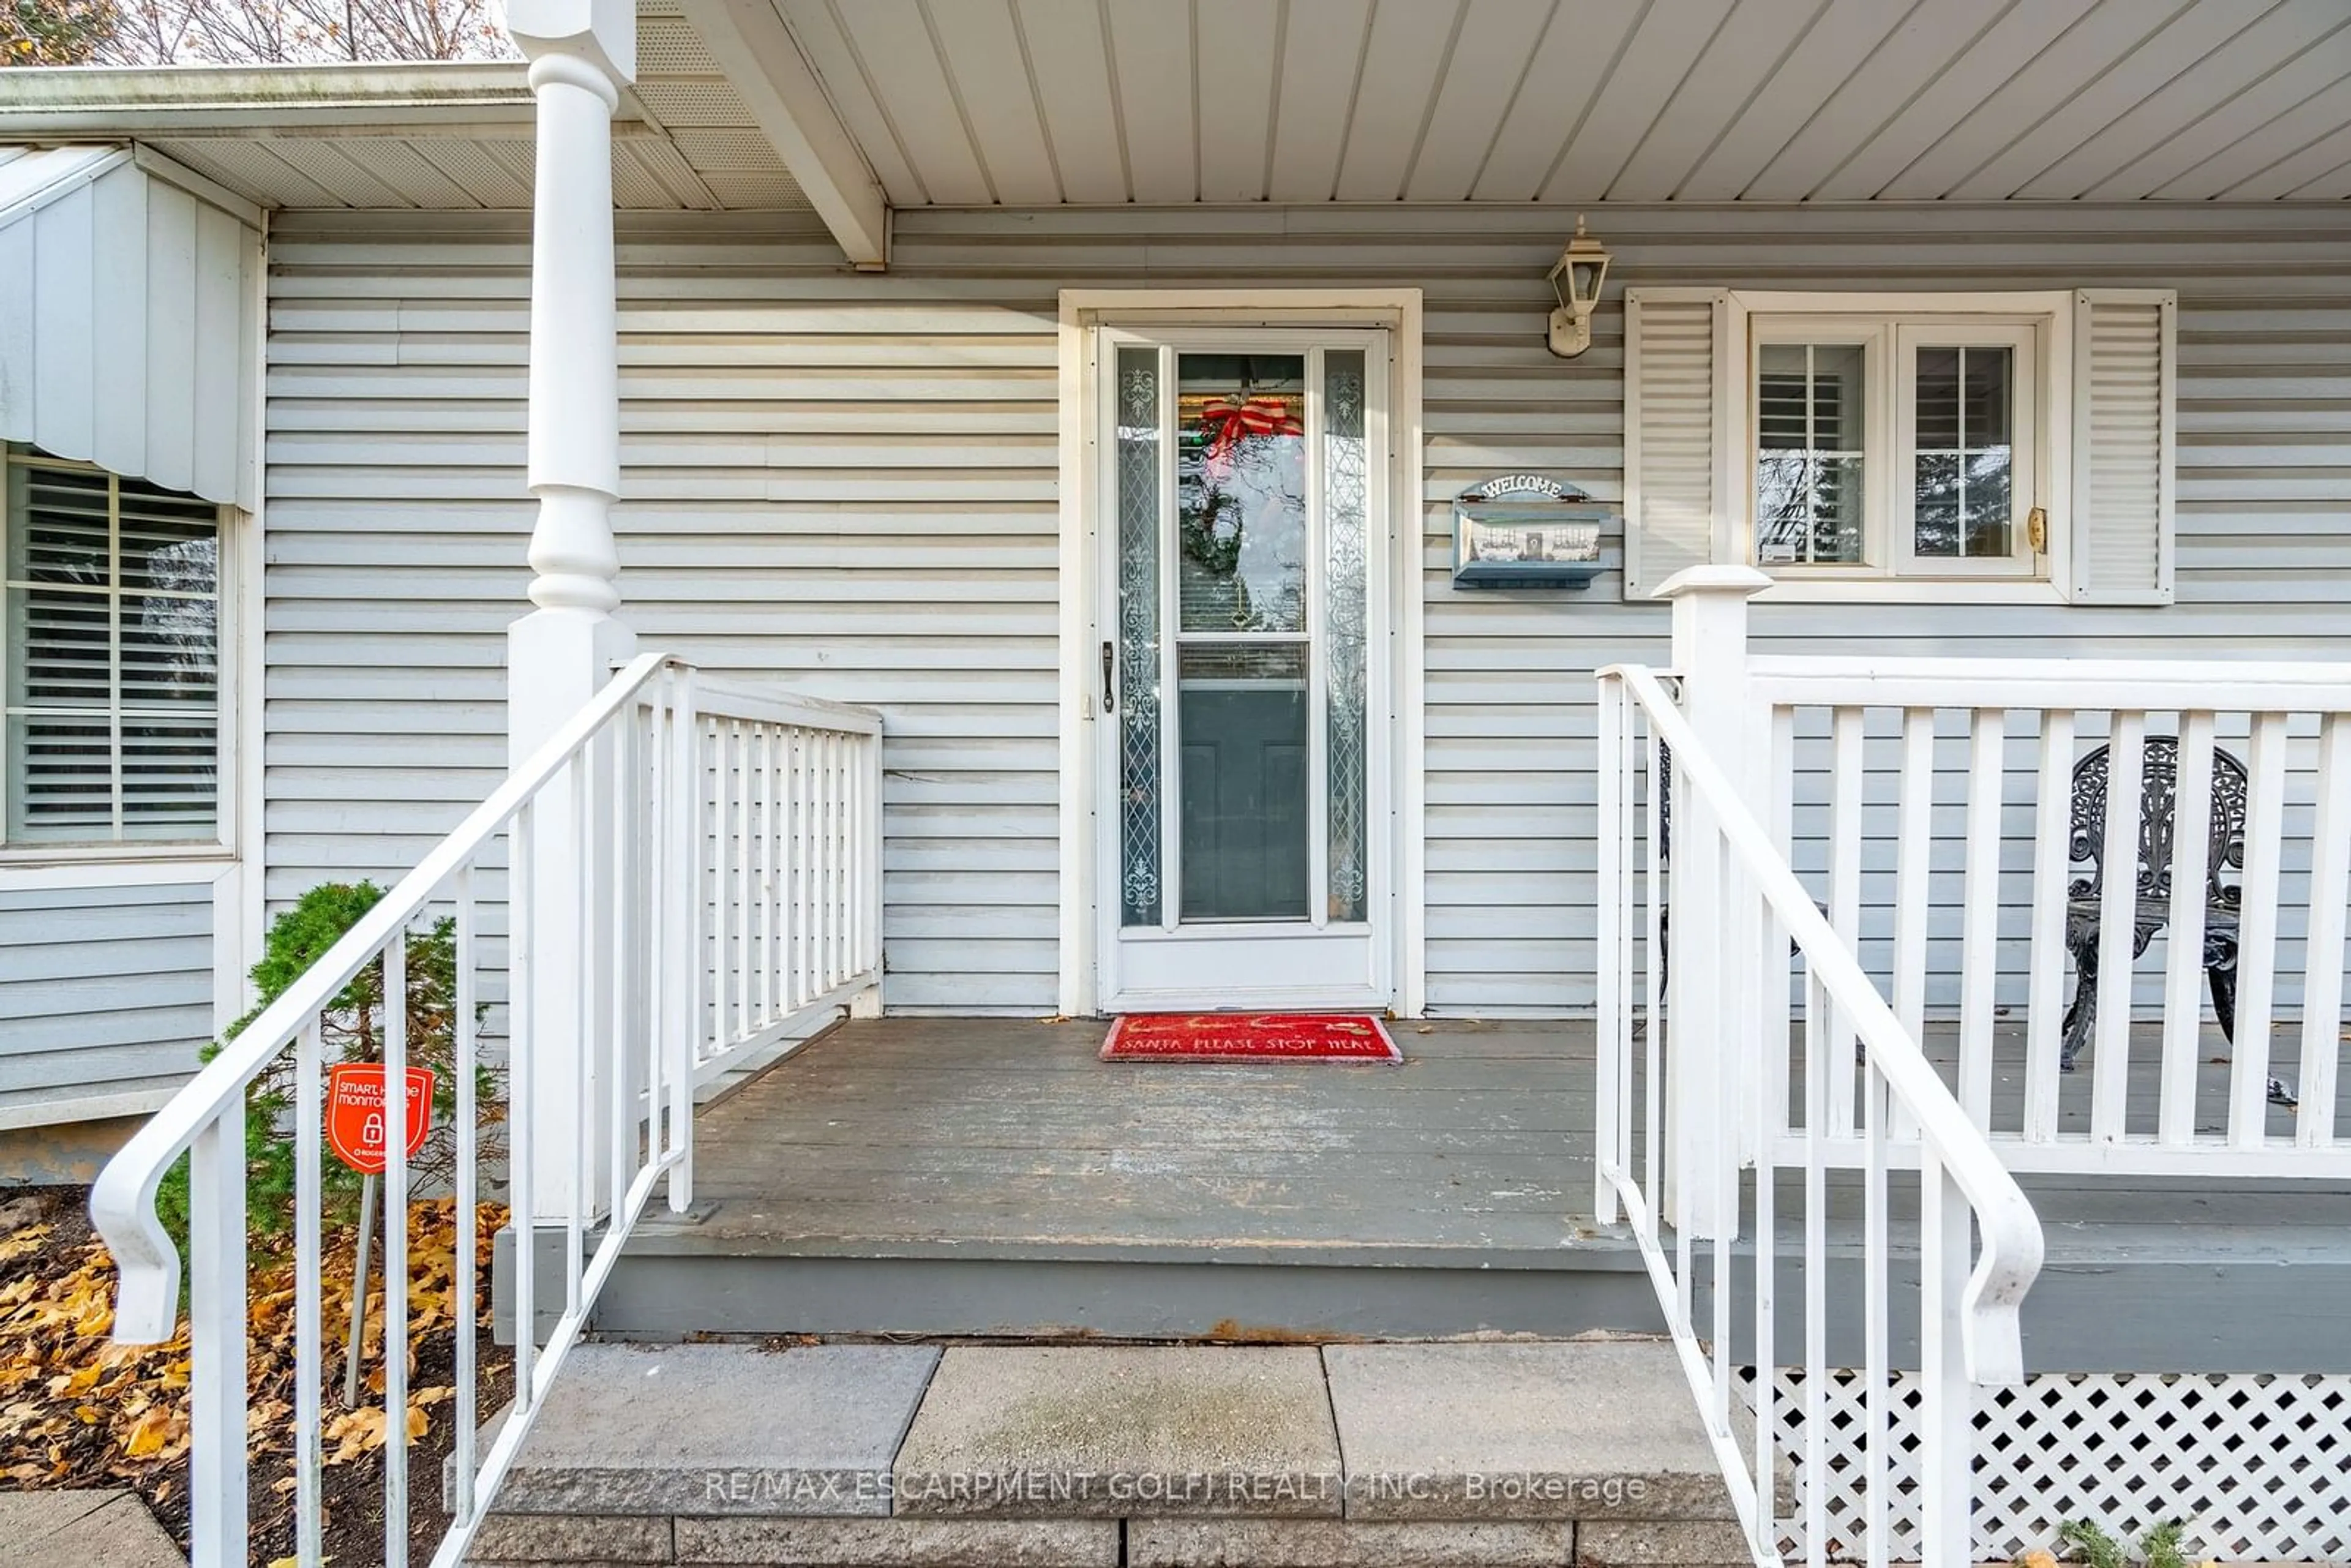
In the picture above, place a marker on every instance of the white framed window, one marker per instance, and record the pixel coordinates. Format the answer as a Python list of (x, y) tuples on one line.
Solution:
[(1896, 446), (110, 661), (1993, 447)]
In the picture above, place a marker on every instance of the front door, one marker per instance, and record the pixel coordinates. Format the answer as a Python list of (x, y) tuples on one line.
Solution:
[(1245, 840)]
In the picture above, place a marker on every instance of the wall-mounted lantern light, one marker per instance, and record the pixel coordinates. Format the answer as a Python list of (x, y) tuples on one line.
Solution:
[(1584, 265)]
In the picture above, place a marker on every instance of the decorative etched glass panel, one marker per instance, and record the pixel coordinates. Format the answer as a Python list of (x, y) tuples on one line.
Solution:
[(1138, 634), (1240, 492), (1966, 452), (1808, 473), (1345, 501)]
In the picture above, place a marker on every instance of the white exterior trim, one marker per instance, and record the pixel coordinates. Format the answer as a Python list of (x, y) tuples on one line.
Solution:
[(1081, 309)]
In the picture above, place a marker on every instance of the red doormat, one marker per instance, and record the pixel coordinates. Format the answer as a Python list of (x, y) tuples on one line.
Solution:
[(1249, 1037)]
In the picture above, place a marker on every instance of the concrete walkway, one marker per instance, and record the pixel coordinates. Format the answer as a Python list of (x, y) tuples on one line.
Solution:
[(1093, 1455), (83, 1530)]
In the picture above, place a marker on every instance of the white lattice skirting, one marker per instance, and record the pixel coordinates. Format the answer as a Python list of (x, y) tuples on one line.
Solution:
[(2257, 1466)]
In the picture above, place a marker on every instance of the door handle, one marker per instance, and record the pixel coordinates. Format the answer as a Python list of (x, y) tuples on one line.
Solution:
[(1109, 689)]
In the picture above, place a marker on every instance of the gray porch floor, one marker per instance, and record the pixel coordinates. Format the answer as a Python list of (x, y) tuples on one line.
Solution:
[(948, 1175), (933, 1135)]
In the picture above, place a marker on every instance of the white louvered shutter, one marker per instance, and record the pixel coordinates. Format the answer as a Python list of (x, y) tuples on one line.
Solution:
[(1673, 339), (2124, 372)]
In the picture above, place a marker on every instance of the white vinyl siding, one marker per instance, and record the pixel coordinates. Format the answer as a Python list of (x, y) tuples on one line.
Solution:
[(107, 992), (847, 485)]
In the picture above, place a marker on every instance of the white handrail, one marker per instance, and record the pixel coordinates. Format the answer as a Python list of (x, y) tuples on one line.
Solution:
[(1717, 1089), (2012, 1245), (122, 1199), (721, 848)]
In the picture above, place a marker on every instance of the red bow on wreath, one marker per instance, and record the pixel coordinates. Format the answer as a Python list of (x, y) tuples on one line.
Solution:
[(1227, 418)]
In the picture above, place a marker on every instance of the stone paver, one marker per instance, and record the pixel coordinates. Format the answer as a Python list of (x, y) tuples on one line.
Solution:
[(1331, 1544), (1653, 1543), (901, 1542), (1122, 1432), (109, 1529), (1561, 1430), (720, 1430), (571, 1538)]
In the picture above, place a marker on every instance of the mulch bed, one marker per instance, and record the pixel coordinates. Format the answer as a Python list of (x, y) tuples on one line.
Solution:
[(77, 1411)]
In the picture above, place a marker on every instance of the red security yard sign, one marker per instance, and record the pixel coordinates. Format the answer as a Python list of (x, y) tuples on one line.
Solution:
[(355, 1113)]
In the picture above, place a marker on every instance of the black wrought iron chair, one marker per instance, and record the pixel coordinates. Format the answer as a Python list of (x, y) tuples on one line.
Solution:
[(2152, 876)]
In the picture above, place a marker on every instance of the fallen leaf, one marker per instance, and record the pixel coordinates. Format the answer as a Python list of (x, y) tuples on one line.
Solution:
[(146, 1435)]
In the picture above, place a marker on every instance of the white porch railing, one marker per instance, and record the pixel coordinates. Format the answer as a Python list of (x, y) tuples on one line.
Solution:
[(1979, 828), (1810, 867), (1674, 1113), (726, 845)]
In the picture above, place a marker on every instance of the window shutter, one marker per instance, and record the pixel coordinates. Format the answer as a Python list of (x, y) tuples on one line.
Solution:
[(1672, 359), (2123, 420)]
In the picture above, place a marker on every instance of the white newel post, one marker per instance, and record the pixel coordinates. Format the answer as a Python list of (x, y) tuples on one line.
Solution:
[(1713, 972), (558, 656)]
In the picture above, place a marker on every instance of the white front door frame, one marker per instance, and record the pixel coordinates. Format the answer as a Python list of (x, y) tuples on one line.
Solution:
[(1083, 310)]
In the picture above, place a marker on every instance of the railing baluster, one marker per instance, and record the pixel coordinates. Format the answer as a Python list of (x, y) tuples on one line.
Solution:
[(522, 1139), (2117, 918), (1979, 921), (688, 792), (2258, 930), (462, 1063), (771, 1001), (620, 910), (580, 1123), (810, 896), (308, 1369), (1877, 1439), (1848, 782), (216, 1296), (1823, 1049), (1770, 1120), (1775, 964), (395, 1250), (743, 1024), (2183, 968), (2321, 965), (1946, 1410), (721, 952), (1614, 944), (1653, 894), (1913, 874), (2053, 837)]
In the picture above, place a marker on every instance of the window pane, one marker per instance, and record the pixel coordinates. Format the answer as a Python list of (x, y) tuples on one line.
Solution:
[(1243, 718), (1138, 634), (1240, 492), (111, 617), (1809, 401), (168, 788), (169, 542), (61, 777), (56, 526), (1965, 452), (1344, 631)]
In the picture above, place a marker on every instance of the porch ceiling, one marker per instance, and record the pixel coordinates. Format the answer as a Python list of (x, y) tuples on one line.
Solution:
[(434, 137), (1037, 102)]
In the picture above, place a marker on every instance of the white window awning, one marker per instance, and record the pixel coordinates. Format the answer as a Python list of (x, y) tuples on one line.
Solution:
[(130, 327)]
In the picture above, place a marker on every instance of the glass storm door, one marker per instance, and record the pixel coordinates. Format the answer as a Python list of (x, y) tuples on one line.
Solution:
[(1244, 656)]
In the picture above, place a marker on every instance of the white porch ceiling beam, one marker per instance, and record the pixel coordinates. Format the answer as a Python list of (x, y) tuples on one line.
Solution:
[(767, 69)]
